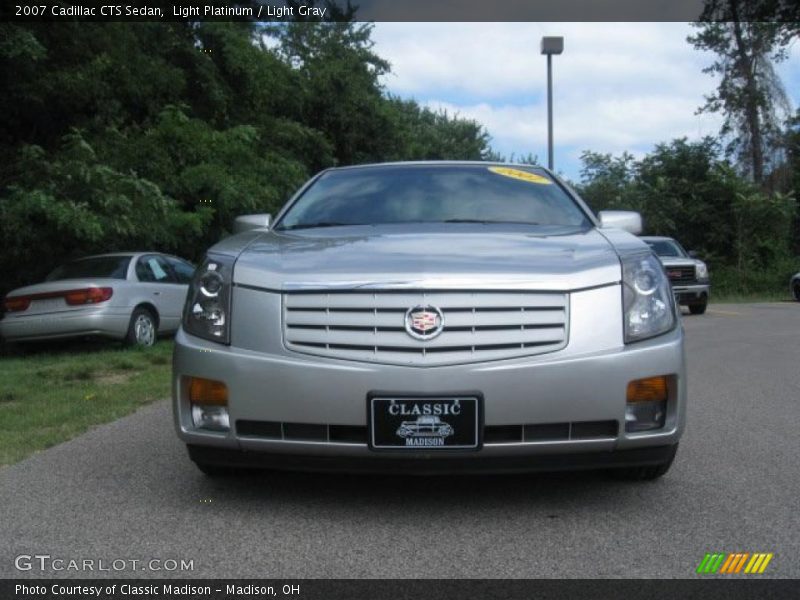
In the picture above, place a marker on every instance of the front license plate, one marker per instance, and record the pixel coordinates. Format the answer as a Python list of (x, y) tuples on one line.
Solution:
[(424, 423)]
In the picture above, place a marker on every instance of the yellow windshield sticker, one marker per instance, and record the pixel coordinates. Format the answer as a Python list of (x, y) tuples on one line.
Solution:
[(522, 175)]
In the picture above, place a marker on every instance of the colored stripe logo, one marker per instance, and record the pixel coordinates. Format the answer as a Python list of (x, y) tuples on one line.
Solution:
[(726, 563)]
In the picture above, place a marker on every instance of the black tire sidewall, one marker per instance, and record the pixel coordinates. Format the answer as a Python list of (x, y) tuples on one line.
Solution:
[(698, 309)]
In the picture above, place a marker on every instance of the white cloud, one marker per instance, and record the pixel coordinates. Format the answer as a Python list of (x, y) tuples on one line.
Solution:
[(497, 59), (617, 86)]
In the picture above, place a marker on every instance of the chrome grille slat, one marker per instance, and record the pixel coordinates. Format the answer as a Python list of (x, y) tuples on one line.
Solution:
[(350, 319), (405, 300), (394, 319), (399, 339), (370, 326)]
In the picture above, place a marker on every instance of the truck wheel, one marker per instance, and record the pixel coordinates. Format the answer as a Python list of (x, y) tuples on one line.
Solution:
[(647, 472), (698, 309)]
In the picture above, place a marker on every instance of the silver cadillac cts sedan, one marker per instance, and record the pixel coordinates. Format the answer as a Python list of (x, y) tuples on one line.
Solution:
[(432, 317)]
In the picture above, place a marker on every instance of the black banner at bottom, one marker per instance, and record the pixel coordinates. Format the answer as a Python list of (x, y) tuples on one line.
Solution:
[(390, 589)]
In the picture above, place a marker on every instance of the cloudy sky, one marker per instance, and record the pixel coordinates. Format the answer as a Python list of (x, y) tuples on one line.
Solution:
[(617, 87)]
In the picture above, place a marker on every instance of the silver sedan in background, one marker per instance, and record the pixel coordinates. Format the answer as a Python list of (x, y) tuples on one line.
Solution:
[(124, 296)]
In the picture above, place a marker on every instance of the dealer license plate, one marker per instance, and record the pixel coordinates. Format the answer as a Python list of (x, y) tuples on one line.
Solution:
[(424, 424)]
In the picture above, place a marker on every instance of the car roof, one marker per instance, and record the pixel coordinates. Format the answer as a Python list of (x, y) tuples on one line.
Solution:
[(438, 163), (131, 254), (107, 254), (657, 238)]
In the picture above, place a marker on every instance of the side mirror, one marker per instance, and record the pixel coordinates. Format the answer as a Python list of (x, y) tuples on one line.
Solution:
[(250, 222), (621, 219), (693, 254)]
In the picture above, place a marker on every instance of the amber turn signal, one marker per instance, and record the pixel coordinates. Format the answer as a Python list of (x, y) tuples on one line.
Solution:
[(648, 390), (207, 391)]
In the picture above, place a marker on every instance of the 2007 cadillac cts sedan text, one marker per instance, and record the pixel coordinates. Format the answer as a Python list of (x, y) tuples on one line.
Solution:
[(432, 317)]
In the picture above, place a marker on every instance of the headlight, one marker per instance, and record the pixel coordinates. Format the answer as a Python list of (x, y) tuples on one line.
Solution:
[(208, 304), (701, 270), (647, 300)]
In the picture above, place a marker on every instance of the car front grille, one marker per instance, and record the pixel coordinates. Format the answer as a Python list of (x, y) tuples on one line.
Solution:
[(478, 326), (680, 275)]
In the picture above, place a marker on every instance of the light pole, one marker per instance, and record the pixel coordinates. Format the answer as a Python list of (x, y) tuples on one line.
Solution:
[(550, 46)]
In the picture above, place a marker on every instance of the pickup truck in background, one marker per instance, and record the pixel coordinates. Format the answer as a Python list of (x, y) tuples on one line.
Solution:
[(687, 274)]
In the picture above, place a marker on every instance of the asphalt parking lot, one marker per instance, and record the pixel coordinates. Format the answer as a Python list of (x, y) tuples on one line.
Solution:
[(126, 490)]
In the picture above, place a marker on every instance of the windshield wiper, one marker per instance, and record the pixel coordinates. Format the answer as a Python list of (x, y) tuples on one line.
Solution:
[(338, 224), (489, 222)]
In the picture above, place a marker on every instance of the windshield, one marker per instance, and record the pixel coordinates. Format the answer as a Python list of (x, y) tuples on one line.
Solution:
[(108, 267), (667, 248), (434, 194)]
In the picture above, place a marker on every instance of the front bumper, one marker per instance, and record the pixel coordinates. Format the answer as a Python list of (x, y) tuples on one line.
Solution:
[(691, 294), (566, 387), (433, 465)]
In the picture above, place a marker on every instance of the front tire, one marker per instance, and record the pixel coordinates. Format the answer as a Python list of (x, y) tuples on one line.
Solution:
[(646, 472), (143, 329), (214, 471), (698, 309), (796, 290)]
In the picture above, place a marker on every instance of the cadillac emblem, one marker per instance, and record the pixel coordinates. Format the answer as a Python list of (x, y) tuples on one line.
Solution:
[(424, 322)]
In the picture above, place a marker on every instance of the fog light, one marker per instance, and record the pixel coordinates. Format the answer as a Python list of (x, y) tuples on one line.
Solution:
[(644, 416), (646, 404), (212, 417), (209, 400)]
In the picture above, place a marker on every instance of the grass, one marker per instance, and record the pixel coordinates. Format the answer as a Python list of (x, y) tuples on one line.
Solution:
[(51, 394)]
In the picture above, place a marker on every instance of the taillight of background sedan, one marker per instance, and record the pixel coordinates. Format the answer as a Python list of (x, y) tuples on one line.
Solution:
[(123, 296)]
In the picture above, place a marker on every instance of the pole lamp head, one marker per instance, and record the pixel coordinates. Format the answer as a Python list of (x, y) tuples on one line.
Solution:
[(552, 45)]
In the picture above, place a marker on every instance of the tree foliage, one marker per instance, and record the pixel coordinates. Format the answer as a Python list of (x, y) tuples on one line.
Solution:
[(119, 136), (686, 191), (750, 94)]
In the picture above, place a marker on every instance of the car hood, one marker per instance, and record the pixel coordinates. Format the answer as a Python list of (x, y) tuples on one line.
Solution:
[(441, 256), (678, 261)]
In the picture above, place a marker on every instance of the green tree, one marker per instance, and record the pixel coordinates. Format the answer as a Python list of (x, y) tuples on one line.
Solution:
[(684, 190), (793, 171), (607, 181), (750, 95), (422, 134), (786, 13), (339, 92), (156, 135), (70, 203)]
